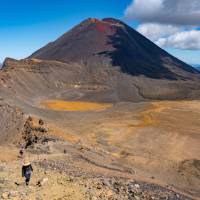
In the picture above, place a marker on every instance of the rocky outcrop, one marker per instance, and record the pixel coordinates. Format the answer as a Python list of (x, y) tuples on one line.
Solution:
[(34, 134)]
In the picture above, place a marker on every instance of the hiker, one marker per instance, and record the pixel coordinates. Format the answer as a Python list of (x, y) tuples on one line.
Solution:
[(26, 170)]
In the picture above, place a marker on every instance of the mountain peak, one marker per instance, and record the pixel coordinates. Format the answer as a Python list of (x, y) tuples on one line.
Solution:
[(112, 21), (110, 42), (108, 21)]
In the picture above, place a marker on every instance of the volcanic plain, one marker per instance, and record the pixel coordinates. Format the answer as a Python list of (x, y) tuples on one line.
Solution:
[(156, 142), (116, 121)]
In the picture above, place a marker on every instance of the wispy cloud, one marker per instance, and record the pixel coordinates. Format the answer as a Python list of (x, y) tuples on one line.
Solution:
[(168, 23), (189, 40), (178, 12), (155, 31)]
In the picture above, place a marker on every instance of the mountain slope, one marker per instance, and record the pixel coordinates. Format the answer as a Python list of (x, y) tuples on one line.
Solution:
[(110, 41), (104, 60), (196, 67)]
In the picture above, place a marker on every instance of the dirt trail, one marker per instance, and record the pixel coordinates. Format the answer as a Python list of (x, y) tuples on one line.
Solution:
[(63, 176)]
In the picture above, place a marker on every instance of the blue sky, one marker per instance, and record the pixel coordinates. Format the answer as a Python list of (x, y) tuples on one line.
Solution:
[(26, 25)]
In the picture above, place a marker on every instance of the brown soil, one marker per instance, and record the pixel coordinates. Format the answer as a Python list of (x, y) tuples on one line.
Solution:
[(154, 142)]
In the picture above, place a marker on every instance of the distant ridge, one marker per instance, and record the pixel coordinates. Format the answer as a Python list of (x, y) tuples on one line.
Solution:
[(196, 66)]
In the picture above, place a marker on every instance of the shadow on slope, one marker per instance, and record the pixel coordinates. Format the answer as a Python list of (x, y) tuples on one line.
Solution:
[(136, 55)]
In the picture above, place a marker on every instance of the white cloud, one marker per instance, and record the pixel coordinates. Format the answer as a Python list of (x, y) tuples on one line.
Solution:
[(156, 31), (171, 36), (178, 12), (168, 23), (189, 40), (139, 8)]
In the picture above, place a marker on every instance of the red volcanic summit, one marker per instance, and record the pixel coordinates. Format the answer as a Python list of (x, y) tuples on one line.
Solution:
[(111, 42), (83, 43), (107, 25)]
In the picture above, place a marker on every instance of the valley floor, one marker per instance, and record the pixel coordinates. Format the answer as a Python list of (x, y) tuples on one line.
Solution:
[(126, 151)]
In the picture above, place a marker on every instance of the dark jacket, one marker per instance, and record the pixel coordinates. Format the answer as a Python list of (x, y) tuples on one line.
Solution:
[(26, 170)]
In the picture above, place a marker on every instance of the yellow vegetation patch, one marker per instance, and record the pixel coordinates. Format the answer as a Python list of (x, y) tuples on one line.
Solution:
[(74, 105)]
